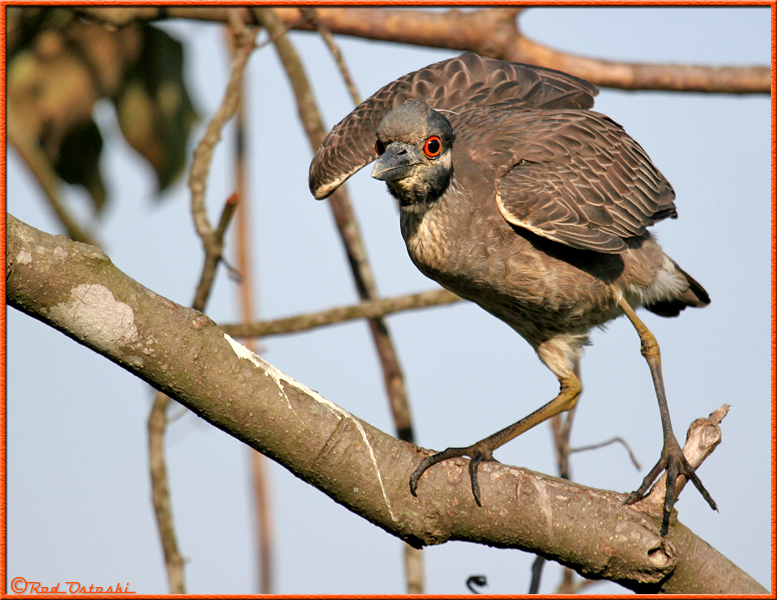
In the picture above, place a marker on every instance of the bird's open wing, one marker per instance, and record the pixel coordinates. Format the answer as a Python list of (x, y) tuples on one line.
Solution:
[(459, 84), (578, 178)]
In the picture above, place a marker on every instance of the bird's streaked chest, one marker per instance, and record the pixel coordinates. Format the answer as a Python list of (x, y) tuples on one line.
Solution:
[(465, 246), (437, 236), (471, 250)]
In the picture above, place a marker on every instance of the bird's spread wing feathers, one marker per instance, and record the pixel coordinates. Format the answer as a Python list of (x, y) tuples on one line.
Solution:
[(577, 178), (459, 84)]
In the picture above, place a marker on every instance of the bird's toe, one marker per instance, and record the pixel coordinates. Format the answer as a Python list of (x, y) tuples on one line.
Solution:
[(477, 453)]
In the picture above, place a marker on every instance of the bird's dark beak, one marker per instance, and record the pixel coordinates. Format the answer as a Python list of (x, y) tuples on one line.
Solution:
[(397, 162)]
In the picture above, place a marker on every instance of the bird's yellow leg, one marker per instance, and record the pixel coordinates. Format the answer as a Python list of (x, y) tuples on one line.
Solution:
[(672, 458), (483, 450)]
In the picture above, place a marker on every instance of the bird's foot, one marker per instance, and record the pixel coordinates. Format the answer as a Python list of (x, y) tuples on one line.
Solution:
[(477, 453), (673, 461)]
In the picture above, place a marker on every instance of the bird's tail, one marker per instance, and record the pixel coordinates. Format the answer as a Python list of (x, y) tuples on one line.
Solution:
[(695, 296)]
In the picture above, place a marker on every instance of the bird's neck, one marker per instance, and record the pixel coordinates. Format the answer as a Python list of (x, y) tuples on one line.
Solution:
[(431, 231), (424, 187)]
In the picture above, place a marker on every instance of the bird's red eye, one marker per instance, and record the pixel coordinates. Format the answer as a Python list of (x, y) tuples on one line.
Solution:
[(379, 148), (433, 146)]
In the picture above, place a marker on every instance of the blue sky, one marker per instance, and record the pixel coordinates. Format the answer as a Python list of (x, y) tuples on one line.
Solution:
[(78, 485)]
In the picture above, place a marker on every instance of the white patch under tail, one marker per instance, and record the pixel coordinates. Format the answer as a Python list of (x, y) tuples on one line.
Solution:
[(668, 284)]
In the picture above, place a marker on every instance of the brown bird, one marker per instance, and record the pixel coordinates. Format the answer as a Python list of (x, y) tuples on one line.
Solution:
[(515, 195)]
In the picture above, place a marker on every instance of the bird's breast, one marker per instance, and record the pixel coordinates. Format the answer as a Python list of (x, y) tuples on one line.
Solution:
[(479, 256), (438, 234)]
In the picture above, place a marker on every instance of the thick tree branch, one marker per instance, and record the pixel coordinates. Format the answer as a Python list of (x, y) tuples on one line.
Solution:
[(76, 289), (490, 32)]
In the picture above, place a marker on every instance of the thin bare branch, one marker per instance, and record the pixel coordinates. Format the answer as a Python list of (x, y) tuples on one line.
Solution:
[(213, 254), (572, 584), (645, 76), (312, 16), (198, 174), (363, 310), (247, 305), (226, 215), (704, 435), (160, 494), (212, 240), (618, 440)]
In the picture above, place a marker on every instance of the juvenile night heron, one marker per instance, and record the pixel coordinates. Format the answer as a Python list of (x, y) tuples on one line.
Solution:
[(516, 196)]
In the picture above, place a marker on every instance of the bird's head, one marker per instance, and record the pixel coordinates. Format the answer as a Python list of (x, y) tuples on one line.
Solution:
[(414, 154)]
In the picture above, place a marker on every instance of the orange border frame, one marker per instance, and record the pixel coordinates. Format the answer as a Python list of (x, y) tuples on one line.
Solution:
[(4, 4)]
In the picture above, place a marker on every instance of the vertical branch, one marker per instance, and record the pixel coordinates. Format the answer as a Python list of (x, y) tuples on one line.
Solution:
[(247, 302), (349, 232), (160, 494), (414, 569), (263, 509), (198, 176), (212, 240)]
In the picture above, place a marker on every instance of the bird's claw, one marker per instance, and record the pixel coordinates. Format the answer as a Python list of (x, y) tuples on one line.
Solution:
[(672, 461), (477, 455)]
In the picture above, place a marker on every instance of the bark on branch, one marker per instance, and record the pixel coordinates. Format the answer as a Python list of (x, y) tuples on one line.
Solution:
[(490, 32), (76, 289)]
